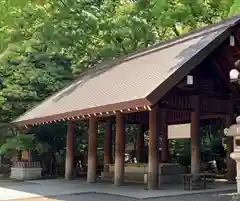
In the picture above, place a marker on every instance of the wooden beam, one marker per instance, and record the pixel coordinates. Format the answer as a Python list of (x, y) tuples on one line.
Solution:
[(195, 137), (107, 145), (92, 150), (174, 107), (224, 76), (70, 151), (212, 105), (164, 133), (119, 150), (152, 149)]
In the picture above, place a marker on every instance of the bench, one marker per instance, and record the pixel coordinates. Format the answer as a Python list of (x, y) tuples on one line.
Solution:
[(198, 180)]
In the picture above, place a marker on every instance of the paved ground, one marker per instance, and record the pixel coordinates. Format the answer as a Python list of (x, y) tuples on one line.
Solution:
[(96, 197), (104, 197), (79, 190)]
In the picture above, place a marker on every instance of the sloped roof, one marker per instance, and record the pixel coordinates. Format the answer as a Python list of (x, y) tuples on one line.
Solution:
[(137, 80)]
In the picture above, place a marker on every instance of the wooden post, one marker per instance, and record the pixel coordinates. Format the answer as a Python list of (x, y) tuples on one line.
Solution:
[(92, 150), (119, 150), (140, 143), (70, 151), (152, 149), (195, 136), (164, 132), (231, 164), (108, 145)]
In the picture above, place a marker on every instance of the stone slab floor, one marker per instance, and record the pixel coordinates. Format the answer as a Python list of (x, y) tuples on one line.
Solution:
[(104, 197), (79, 190)]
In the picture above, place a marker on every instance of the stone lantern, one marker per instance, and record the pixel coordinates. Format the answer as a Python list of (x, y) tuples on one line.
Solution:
[(234, 131)]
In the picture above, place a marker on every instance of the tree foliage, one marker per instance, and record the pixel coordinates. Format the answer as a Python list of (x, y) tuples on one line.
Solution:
[(18, 143), (235, 8)]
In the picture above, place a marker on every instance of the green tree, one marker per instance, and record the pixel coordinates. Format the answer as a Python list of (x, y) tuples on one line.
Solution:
[(29, 75), (18, 143), (235, 8)]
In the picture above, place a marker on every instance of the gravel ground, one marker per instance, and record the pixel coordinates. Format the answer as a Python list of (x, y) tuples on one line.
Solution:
[(104, 197)]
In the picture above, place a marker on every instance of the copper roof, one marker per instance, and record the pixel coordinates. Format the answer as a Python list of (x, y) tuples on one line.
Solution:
[(137, 80)]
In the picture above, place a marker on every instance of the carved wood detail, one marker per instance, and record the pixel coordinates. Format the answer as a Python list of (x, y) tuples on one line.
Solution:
[(184, 103), (205, 85), (178, 116), (175, 101), (213, 105)]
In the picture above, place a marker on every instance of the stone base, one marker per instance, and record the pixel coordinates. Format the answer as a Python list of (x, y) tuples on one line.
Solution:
[(170, 179), (137, 173), (140, 178), (26, 173)]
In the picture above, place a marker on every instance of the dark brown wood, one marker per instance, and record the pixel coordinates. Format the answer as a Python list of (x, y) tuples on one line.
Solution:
[(140, 143), (225, 59), (179, 108), (164, 134), (174, 117), (178, 116), (213, 105), (119, 150), (136, 117), (70, 151), (92, 150), (223, 75), (182, 101), (108, 145), (152, 148), (195, 137), (177, 101), (205, 85)]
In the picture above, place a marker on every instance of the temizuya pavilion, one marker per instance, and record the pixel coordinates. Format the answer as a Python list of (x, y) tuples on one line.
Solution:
[(183, 80)]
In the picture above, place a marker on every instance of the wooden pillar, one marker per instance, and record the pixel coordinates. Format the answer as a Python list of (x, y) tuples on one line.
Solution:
[(152, 149), (70, 151), (195, 136), (107, 145), (231, 164), (92, 150), (119, 149), (164, 133), (140, 143)]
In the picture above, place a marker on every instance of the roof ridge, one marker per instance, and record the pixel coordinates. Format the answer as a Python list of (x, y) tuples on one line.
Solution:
[(108, 64)]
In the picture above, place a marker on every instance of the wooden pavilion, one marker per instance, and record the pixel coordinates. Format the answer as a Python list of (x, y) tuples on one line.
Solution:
[(183, 80)]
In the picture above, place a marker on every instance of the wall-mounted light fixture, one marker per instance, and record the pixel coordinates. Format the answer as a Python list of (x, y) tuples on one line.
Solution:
[(232, 41), (189, 80)]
